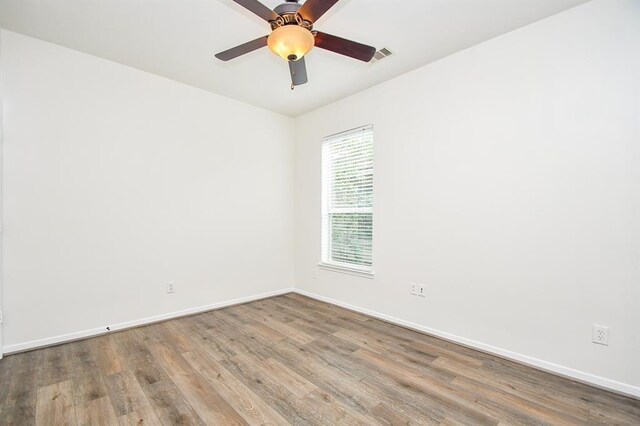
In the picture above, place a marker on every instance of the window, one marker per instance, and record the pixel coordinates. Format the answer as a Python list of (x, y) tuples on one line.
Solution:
[(347, 200)]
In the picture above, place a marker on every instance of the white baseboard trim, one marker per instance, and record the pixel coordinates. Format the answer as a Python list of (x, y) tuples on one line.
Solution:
[(580, 376), (577, 375), (78, 335)]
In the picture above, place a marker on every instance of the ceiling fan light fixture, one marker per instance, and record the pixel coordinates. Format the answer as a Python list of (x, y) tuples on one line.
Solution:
[(290, 42)]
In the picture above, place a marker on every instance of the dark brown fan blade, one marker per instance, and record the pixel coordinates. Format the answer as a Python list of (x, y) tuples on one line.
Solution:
[(259, 9), (298, 71), (312, 10), (345, 47), (247, 47)]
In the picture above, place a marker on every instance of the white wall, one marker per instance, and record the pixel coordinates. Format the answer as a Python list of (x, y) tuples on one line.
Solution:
[(1, 97), (506, 180), (117, 181)]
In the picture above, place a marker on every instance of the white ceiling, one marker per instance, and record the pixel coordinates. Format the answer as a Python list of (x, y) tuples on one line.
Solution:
[(178, 38)]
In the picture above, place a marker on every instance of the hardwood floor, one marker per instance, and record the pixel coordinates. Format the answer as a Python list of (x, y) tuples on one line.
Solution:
[(288, 360)]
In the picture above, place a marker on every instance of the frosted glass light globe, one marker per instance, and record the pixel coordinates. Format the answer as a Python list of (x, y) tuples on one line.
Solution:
[(290, 42)]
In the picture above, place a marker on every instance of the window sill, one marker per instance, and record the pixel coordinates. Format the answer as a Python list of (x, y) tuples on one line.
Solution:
[(346, 270)]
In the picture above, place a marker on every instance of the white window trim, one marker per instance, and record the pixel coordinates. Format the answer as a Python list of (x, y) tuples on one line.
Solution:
[(345, 268)]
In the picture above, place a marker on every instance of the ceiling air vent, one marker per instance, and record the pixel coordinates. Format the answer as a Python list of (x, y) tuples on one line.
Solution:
[(381, 54)]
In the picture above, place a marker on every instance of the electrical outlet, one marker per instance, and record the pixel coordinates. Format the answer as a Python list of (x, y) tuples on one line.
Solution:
[(601, 335), (171, 287), (413, 289), (314, 274), (421, 290), (0, 317)]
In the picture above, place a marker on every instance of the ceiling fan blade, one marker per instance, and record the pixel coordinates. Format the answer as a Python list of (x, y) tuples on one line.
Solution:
[(345, 47), (298, 71), (258, 8), (247, 47), (312, 10)]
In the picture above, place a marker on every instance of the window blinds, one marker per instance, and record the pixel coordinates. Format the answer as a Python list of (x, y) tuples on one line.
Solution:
[(347, 199)]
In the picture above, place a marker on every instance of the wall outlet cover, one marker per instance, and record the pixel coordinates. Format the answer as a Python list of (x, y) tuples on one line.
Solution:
[(422, 290), (601, 335)]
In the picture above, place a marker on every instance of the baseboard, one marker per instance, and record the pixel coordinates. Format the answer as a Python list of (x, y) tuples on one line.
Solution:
[(577, 375), (78, 335)]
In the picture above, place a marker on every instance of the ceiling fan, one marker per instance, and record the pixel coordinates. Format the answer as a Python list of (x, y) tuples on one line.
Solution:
[(292, 35)]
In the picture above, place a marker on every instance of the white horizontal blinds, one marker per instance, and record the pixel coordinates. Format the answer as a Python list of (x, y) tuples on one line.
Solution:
[(347, 192)]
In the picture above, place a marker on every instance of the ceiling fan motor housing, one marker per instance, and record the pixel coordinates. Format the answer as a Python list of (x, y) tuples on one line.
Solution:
[(287, 8), (288, 15)]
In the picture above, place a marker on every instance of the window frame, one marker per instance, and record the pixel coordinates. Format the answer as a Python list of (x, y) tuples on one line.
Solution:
[(325, 254)]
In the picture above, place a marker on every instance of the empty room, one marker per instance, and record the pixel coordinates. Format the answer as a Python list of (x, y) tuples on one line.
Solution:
[(319, 212)]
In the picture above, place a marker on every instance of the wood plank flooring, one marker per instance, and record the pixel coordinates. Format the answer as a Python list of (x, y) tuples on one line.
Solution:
[(287, 360)]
